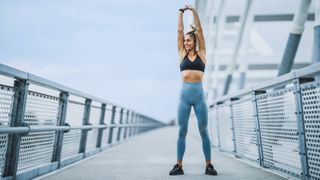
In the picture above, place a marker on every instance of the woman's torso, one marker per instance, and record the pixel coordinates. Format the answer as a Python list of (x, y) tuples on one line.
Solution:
[(192, 76), (189, 75)]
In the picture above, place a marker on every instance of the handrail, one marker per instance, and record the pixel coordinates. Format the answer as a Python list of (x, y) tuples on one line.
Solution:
[(300, 73), (20, 130), (263, 121), (16, 73)]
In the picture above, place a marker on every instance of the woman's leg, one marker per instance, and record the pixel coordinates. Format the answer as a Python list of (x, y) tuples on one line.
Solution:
[(201, 111), (183, 119)]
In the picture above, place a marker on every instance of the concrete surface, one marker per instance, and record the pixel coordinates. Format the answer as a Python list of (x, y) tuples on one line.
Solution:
[(152, 155)]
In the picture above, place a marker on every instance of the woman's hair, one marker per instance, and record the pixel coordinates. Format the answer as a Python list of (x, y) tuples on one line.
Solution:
[(192, 34)]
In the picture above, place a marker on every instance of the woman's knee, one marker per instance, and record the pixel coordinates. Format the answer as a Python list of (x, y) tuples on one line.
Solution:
[(183, 132), (203, 131)]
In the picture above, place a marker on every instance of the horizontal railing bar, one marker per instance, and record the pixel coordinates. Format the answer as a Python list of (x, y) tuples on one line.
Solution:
[(274, 82), (76, 102), (94, 106), (6, 87), (15, 130), (82, 127), (137, 125), (48, 128), (12, 72), (308, 71), (42, 94)]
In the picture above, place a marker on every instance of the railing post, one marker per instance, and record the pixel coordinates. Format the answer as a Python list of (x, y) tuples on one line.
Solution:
[(131, 124), (218, 126), (17, 118), (135, 124), (126, 128), (143, 120), (258, 131), (101, 122), (112, 123), (232, 124), (138, 124), (120, 123), (301, 130), (84, 133), (63, 105)]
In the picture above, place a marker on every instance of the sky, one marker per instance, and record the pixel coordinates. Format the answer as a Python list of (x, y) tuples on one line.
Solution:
[(123, 51)]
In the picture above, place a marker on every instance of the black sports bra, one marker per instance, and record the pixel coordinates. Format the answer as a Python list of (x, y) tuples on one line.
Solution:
[(197, 64)]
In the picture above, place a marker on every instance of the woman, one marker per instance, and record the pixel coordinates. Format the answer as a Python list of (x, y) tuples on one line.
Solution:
[(192, 65)]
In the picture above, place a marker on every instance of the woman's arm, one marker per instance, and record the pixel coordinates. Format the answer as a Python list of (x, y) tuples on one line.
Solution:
[(180, 33), (199, 32)]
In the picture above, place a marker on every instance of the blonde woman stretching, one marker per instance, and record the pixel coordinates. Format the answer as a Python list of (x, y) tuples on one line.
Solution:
[(192, 65)]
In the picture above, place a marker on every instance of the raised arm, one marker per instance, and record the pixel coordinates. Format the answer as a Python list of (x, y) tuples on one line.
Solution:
[(199, 32), (180, 33)]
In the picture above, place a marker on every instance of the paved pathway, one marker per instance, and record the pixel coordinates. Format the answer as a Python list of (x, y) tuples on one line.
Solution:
[(151, 156)]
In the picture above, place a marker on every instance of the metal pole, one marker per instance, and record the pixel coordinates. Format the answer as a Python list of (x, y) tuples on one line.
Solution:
[(135, 119), (136, 123), (63, 105), (299, 20), (243, 66), (242, 80), (232, 66), (301, 131), (119, 130), (85, 121), (213, 73), (143, 119), (101, 122), (258, 131), (112, 123), (126, 128), (233, 127), (17, 117), (218, 126), (316, 58), (131, 122)]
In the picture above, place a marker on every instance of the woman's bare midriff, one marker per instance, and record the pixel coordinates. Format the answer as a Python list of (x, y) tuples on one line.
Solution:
[(192, 76)]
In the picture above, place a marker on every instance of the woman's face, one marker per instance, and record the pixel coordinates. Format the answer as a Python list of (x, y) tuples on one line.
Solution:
[(189, 43)]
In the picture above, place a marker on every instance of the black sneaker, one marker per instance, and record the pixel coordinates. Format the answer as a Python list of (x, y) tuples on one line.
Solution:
[(210, 170), (177, 170)]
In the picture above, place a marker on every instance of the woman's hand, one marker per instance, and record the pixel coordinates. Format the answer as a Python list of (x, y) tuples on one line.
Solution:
[(184, 8), (189, 7)]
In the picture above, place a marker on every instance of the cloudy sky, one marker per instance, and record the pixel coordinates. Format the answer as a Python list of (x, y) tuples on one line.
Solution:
[(123, 51)]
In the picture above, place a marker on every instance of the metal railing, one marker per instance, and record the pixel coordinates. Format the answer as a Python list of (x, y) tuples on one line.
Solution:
[(41, 131), (275, 125)]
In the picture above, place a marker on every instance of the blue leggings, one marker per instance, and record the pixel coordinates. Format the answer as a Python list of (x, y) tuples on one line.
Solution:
[(192, 95)]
